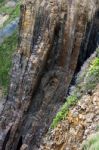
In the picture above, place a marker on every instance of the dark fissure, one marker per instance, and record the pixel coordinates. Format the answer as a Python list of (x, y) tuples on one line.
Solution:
[(19, 144), (89, 43), (6, 140)]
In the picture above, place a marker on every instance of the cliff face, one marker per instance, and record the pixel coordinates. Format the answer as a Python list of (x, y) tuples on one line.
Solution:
[(51, 33)]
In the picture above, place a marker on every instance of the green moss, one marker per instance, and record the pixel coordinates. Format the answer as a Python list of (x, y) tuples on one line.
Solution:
[(92, 76), (6, 51), (92, 143), (71, 100)]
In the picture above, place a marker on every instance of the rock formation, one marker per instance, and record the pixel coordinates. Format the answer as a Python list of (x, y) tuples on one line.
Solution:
[(51, 33), (82, 121)]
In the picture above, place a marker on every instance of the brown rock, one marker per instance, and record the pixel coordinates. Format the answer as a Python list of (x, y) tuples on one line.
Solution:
[(51, 33)]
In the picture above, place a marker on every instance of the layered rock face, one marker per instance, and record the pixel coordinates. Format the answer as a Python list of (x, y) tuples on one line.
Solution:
[(51, 33)]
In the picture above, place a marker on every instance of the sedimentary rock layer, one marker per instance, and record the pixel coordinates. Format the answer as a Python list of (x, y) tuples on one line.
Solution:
[(51, 33)]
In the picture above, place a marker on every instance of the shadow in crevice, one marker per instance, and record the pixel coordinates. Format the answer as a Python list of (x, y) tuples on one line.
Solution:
[(19, 143), (6, 140), (89, 44)]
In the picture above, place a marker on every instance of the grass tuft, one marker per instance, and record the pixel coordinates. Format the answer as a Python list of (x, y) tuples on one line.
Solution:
[(71, 100), (92, 76), (92, 143), (7, 49)]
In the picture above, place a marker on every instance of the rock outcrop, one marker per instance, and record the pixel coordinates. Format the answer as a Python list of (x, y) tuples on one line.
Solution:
[(51, 33), (82, 121)]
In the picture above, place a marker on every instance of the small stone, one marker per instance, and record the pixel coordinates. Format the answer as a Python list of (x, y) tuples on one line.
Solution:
[(89, 117), (24, 147), (72, 131), (82, 117), (75, 114)]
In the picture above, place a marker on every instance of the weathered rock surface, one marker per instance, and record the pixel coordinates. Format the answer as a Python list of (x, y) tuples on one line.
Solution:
[(82, 121), (51, 33)]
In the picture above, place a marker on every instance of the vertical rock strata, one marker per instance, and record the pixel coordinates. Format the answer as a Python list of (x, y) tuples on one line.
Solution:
[(51, 33)]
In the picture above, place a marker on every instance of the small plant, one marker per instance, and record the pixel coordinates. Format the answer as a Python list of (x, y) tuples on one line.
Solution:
[(92, 143), (92, 76), (71, 100)]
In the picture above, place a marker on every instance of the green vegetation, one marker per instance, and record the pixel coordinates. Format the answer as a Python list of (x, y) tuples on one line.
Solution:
[(6, 51), (71, 100), (92, 77), (1, 1), (92, 143), (12, 12), (88, 78), (86, 81), (8, 46), (6, 10)]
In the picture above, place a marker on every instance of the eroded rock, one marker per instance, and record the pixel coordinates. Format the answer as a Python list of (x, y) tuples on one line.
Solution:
[(51, 33), (80, 126)]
